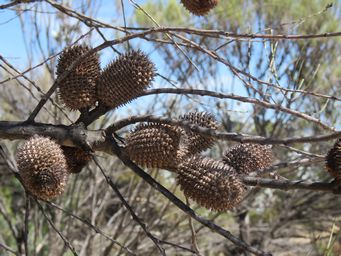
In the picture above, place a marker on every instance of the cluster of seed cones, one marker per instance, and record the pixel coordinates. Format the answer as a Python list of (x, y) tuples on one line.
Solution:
[(214, 184), (44, 166), (85, 84)]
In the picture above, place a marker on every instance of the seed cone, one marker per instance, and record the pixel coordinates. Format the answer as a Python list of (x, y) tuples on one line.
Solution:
[(210, 183), (154, 145), (247, 158), (199, 7), (78, 89), (76, 158), (195, 142), (333, 160), (125, 79), (42, 167)]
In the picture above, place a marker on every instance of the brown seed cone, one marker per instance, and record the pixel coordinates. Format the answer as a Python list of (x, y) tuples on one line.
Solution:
[(182, 154), (42, 167), (247, 158), (125, 79), (333, 160), (78, 89), (154, 145), (76, 158), (199, 7), (210, 183), (195, 142)]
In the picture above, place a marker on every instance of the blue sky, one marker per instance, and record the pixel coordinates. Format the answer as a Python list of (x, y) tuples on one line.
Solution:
[(12, 46)]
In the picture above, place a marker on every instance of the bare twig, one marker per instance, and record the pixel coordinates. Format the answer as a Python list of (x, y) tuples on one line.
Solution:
[(66, 241), (34, 85), (11, 4), (176, 201), (261, 103), (5, 247), (93, 227), (77, 136), (238, 137), (193, 233), (26, 227), (45, 61), (292, 184), (131, 211)]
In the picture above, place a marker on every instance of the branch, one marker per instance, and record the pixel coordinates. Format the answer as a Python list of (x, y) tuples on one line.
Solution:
[(5, 247), (155, 240), (89, 21), (11, 4), (225, 34), (261, 103), (66, 241), (78, 136), (79, 60), (44, 61), (88, 117), (74, 135), (176, 201), (292, 184), (231, 136), (93, 227), (34, 85), (26, 226)]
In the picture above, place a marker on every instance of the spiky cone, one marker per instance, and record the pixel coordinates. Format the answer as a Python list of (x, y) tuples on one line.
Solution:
[(195, 142), (182, 154), (199, 7), (125, 79), (76, 158), (78, 90), (333, 161), (247, 158), (210, 183), (42, 167), (153, 145)]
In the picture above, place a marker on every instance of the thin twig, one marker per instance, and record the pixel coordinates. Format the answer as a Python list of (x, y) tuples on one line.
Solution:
[(259, 102), (26, 226), (46, 60), (5, 247), (176, 201), (232, 136), (127, 206), (95, 228), (66, 241), (193, 233), (76, 136), (34, 85), (292, 184)]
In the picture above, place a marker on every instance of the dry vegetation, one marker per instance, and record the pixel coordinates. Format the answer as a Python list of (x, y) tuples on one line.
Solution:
[(171, 128)]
